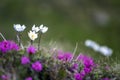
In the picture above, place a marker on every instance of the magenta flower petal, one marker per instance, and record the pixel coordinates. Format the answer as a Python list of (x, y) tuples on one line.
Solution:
[(77, 76), (64, 56), (4, 77), (25, 60), (6, 46), (105, 79), (31, 50), (28, 78), (37, 66), (88, 63)]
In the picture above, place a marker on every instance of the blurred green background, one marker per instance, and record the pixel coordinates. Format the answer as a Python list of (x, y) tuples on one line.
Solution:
[(69, 21)]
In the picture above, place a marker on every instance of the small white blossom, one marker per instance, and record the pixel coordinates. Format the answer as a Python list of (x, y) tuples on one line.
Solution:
[(96, 47), (89, 43), (43, 29), (32, 35), (36, 29), (92, 44), (19, 28), (105, 51)]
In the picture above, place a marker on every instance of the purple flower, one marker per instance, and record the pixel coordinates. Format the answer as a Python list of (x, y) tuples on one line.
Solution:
[(67, 56), (37, 66), (105, 79), (28, 78), (88, 63), (82, 73), (64, 56), (87, 70), (60, 55), (74, 66), (6, 46), (77, 76), (31, 50), (25, 60), (4, 77)]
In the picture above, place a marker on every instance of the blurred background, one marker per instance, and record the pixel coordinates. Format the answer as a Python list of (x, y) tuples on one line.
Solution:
[(69, 22)]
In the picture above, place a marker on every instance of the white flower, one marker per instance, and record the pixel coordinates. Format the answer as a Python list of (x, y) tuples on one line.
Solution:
[(19, 28), (92, 44), (43, 29), (89, 43), (32, 35), (96, 47), (105, 51), (36, 29)]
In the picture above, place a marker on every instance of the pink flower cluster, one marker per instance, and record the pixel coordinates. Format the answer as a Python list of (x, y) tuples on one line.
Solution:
[(37, 66), (88, 65), (64, 56), (87, 62), (31, 50), (6, 46), (28, 78), (25, 60)]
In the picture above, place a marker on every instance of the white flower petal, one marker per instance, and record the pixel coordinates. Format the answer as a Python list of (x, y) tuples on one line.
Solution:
[(43, 29), (19, 28), (105, 51), (92, 44), (41, 26), (32, 35), (96, 47), (36, 29)]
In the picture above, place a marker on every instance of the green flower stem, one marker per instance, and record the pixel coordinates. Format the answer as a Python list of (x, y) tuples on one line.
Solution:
[(19, 40), (39, 41), (31, 42), (2, 36)]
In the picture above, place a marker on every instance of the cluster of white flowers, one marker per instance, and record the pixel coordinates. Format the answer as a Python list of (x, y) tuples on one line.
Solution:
[(96, 47), (33, 34), (41, 28)]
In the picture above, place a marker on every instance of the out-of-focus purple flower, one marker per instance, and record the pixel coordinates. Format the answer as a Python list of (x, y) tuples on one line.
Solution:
[(77, 76), (67, 56), (60, 55), (31, 50), (88, 63), (87, 70), (105, 79), (28, 78), (6, 46), (4, 77), (64, 56), (75, 66), (25, 60), (82, 73), (37, 66)]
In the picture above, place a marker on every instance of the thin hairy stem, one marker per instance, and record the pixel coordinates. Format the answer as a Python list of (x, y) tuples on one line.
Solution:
[(39, 41), (2, 36)]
